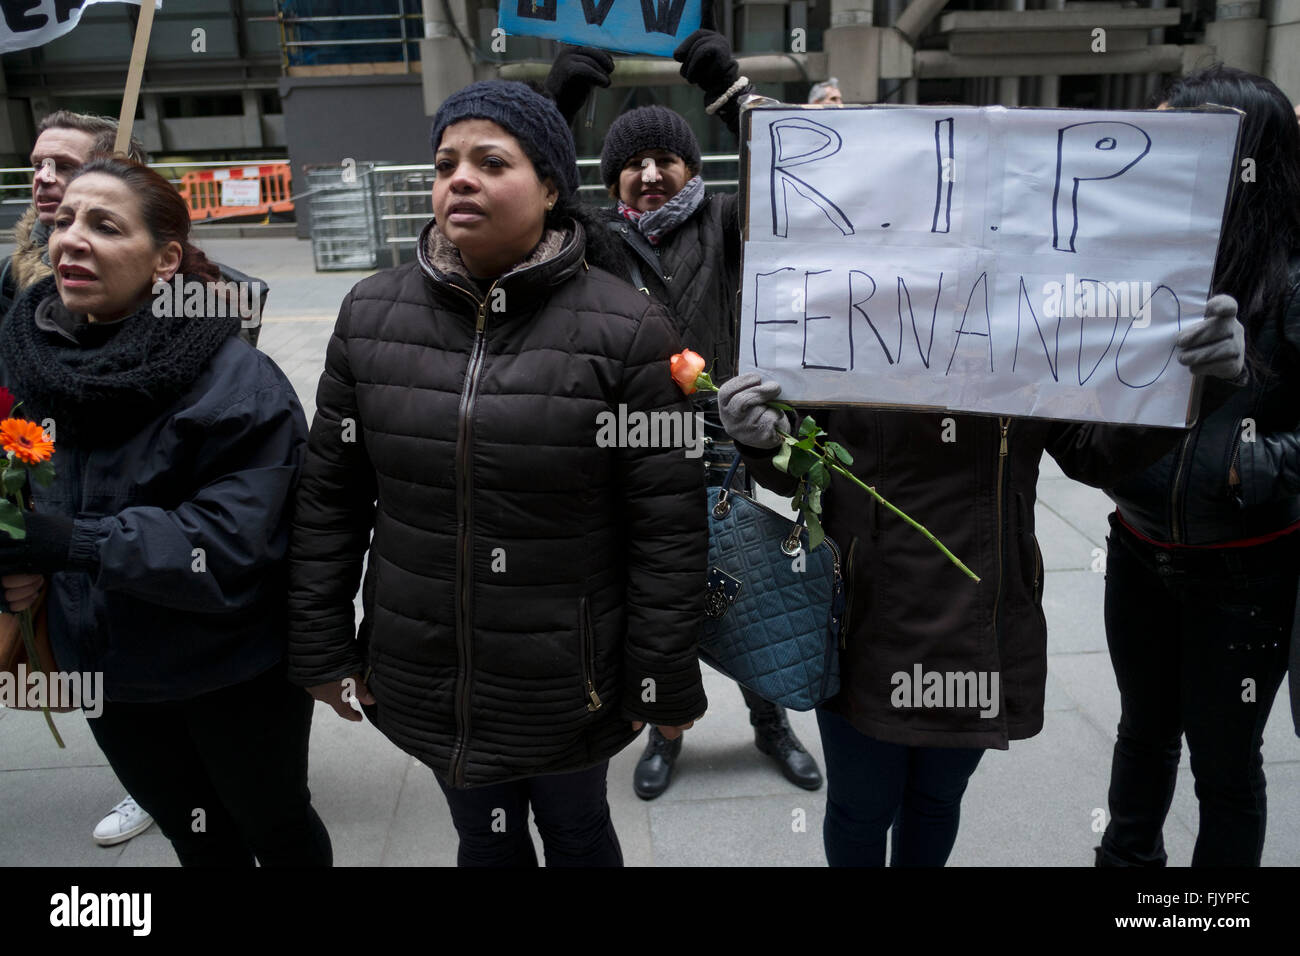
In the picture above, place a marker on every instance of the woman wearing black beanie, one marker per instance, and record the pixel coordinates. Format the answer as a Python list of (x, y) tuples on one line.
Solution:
[(681, 246), (531, 591)]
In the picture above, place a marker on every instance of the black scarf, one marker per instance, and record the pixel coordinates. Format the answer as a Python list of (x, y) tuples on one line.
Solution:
[(116, 378)]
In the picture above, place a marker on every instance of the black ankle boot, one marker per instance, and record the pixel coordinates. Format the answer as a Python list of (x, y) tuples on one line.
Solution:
[(654, 771), (774, 737)]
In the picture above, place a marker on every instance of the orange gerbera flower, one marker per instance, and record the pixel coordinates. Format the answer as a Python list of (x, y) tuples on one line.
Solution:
[(25, 440)]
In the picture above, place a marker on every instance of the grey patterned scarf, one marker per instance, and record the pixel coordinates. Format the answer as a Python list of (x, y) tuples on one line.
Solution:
[(657, 223)]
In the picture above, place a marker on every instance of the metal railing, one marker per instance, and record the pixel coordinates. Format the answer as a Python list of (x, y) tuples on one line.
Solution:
[(290, 27), (26, 172), (402, 196)]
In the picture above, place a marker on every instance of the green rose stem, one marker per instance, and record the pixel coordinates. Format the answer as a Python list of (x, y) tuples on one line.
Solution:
[(834, 465), (12, 505), (705, 384), (33, 655)]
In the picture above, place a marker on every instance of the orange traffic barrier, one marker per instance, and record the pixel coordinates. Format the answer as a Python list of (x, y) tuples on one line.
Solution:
[(238, 191)]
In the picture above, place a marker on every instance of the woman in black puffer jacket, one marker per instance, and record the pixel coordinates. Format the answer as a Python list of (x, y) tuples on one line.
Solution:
[(533, 587), (1204, 550)]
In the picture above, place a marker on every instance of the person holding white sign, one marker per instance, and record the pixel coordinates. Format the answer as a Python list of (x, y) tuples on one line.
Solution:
[(682, 248), (937, 669), (1204, 551)]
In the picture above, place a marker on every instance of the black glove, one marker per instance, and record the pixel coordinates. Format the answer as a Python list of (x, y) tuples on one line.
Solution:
[(707, 62), (575, 71), (44, 550)]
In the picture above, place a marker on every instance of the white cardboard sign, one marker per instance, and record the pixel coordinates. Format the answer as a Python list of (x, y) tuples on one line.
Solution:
[(1028, 262)]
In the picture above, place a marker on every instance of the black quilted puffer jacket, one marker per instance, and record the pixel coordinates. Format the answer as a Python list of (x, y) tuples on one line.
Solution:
[(696, 272), (528, 593)]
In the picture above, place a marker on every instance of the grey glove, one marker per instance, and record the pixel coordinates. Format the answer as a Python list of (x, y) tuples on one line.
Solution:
[(1216, 345), (745, 414)]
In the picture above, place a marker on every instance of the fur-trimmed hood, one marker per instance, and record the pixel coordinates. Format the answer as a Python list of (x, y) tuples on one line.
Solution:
[(31, 257), (441, 253)]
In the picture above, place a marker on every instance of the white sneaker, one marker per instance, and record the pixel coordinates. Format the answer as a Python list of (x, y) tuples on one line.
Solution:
[(123, 822)]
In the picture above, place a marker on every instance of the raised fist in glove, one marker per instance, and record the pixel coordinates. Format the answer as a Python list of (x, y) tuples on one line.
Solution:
[(1215, 346), (707, 62), (575, 71), (745, 414)]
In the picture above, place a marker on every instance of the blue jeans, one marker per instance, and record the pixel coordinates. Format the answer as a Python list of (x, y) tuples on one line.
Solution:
[(872, 785), (571, 811)]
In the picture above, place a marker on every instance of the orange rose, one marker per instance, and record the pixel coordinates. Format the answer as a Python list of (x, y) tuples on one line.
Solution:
[(686, 367)]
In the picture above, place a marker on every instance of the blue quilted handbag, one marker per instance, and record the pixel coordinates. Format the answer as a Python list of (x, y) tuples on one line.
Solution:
[(773, 610)]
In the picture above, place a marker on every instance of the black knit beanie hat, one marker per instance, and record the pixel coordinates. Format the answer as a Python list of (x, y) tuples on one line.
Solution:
[(526, 115), (647, 127)]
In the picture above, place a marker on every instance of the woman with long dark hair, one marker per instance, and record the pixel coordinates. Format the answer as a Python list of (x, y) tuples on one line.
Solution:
[(1204, 551), (532, 585), (163, 537)]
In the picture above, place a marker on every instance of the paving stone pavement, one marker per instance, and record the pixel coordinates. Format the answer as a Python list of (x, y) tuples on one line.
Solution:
[(1033, 805)]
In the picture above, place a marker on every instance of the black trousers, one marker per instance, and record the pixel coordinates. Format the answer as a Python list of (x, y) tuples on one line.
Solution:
[(571, 811), (1199, 642), (224, 774)]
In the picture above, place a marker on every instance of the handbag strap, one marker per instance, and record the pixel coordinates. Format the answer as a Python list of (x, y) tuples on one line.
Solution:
[(791, 544)]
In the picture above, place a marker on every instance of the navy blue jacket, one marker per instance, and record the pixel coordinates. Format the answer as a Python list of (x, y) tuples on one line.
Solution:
[(178, 582)]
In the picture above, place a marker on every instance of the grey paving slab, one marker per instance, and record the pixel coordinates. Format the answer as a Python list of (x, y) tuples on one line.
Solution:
[(1055, 696), (1085, 509), (28, 744), (355, 773), (740, 831), (1074, 604), (421, 832), (1063, 547), (1037, 803), (1049, 469), (49, 815), (150, 848)]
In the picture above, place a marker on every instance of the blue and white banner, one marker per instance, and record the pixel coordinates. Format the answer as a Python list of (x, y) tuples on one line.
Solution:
[(28, 23), (628, 26)]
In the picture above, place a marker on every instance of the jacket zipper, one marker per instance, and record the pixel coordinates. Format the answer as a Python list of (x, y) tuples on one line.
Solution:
[(1232, 457), (588, 657), (838, 583), (848, 604), (465, 539), (1174, 534), (1004, 423)]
